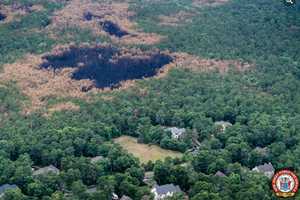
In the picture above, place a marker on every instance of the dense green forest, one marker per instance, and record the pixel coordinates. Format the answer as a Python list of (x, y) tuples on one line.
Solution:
[(263, 104)]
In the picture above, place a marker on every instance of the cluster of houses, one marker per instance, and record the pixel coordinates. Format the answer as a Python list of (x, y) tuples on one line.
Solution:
[(266, 169), (179, 133), (159, 192), (35, 172)]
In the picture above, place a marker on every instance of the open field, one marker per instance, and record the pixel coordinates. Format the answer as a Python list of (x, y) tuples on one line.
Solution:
[(143, 151)]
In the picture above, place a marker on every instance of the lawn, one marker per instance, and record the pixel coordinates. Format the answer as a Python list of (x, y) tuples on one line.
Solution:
[(145, 152)]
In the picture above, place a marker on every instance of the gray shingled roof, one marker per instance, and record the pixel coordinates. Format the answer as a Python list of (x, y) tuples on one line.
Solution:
[(164, 189), (221, 123), (91, 190), (5, 187), (96, 159), (124, 197), (266, 167), (220, 174), (46, 170)]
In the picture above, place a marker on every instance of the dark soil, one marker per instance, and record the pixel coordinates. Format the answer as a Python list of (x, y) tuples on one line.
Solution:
[(2, 17), (113, 29), (108, 66)]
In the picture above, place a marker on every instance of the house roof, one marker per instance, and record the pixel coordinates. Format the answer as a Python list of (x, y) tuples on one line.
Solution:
[(46, 170), (124, 197), (223, 123), (220, 174), (5, 187), (91, 190), (265, 168), (96, 159), (176, 131), (164, 189)]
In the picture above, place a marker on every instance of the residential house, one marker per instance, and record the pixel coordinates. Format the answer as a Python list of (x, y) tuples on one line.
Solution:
[(266, 169), (46, 170), (164, 191), (222, 125), (5, 187), (177, 133)]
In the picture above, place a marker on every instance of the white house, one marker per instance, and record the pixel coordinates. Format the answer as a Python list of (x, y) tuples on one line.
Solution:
[(176, 132), (164, 191)]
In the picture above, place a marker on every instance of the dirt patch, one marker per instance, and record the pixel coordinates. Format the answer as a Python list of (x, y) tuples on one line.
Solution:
[(40, 84), (198, 64), (38, 80), (62, 107), (103, 18), (201, 3), (105, 65), (176, 19), (76, 72)]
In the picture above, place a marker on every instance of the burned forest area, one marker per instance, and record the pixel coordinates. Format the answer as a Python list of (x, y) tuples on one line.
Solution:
[(108, 66), (148, 100)]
